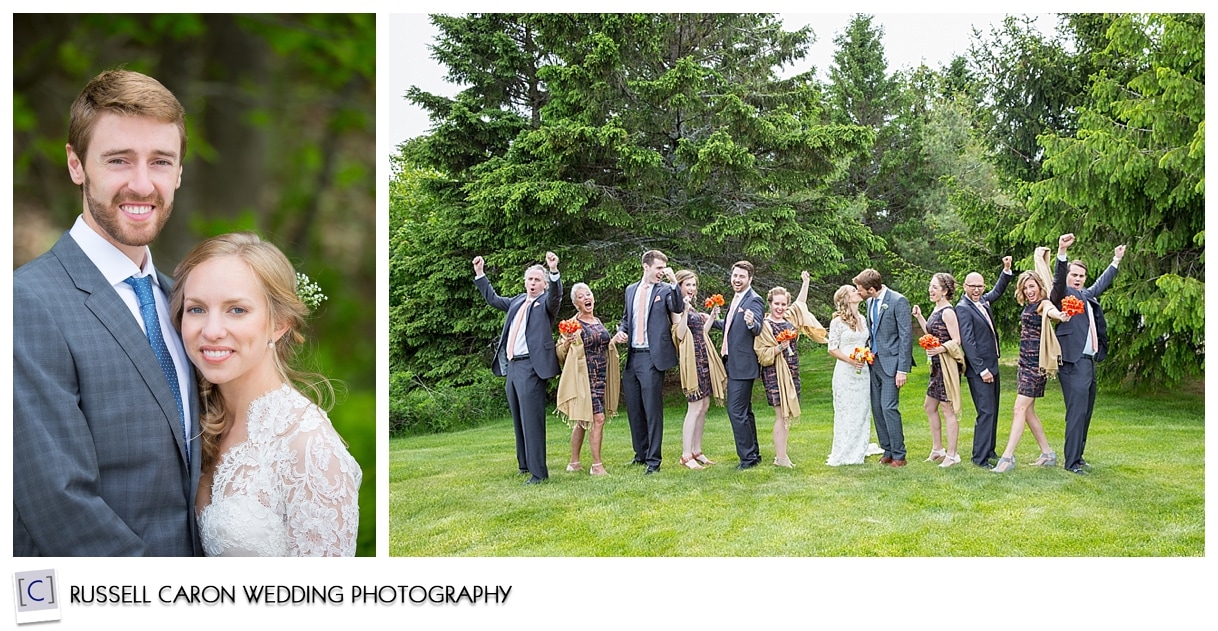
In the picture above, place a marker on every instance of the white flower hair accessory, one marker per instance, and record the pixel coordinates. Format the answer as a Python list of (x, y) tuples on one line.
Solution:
[(308, 291)]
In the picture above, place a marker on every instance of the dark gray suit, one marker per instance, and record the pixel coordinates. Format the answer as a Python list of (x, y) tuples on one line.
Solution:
[(980, 344), (643, 381), (1077, 373), (527, 374), (742, 370), (99, 462), (892, 343)]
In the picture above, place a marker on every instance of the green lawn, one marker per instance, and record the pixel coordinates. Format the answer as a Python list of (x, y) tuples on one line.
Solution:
[(459, 494)]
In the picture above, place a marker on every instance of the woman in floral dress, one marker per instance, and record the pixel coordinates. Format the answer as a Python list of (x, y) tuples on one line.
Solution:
[(600, 360), (943, 325), (1037, 311), (702, 374)]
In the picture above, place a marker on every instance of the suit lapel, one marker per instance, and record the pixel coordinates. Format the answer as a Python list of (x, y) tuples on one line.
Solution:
[(112, 312)]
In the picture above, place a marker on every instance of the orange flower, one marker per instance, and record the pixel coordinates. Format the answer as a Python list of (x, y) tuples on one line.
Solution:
[(715, 301), (1072, 306), (786, 335), (928, 341), (863, 354), (566, 327)]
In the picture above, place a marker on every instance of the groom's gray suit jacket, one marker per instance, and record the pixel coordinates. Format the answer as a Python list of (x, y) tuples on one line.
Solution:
[(99, 463)]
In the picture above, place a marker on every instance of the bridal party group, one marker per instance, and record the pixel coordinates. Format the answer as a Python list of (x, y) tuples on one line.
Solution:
[(666, 324)]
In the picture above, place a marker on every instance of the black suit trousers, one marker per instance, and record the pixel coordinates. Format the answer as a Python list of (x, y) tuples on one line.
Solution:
[(985, 432), (1078, 392), (744, 424), (643, 390), (526, 396)]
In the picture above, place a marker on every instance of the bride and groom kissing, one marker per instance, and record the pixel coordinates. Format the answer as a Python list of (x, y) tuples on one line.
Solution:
[(118, 449)]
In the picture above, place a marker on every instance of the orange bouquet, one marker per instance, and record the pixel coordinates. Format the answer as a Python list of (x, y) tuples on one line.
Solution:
[(1072, 306), (786, 335), (929, 341), (567, 327), (714, 301), (864, 355)]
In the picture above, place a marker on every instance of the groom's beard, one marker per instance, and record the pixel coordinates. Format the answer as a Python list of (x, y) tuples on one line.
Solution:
[(109, 217)]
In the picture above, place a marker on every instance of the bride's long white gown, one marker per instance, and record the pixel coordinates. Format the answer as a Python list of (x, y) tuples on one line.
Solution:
[(291, 489), (851, 396)]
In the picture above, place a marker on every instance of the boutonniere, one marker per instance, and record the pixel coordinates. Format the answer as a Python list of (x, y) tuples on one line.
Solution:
[(884, 307)]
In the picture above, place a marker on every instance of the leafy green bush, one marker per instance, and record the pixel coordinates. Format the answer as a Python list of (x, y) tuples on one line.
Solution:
[(415, 408)]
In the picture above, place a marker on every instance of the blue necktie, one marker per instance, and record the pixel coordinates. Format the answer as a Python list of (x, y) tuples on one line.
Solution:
[(152, 326), (875, 314)]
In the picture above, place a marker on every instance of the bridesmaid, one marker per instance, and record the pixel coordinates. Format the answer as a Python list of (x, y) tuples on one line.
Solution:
[(1035, 323), (702, 373), (591, 381), (943, 325), (781, 378)]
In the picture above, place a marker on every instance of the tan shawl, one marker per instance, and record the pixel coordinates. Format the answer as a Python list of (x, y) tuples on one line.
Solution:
[(952, 370), (575, 387), (689, 360), (1050, 350), (768, 352)]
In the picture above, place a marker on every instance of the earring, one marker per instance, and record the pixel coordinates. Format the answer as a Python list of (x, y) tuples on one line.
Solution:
[(271, 344)]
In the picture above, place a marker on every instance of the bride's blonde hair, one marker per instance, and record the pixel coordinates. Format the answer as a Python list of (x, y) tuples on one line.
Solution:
[(848, 315), (277, 278)]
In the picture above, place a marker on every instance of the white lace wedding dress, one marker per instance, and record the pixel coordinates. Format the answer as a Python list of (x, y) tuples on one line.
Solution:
[(291, 489), (851, 397)]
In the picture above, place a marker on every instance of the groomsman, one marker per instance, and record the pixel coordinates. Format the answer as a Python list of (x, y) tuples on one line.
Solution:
[(741, 324), (888, 316), (647, 326), (979, 339), (526, 357), (1084, 341)]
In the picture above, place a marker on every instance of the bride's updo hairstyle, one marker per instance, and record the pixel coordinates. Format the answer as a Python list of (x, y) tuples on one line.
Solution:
[(849, 316), (277, 278)]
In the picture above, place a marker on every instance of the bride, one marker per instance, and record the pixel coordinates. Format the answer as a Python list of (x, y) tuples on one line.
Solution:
[(277, 480), (851, 380)]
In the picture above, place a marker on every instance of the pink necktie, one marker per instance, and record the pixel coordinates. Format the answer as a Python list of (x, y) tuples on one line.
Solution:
[(727, 323), (640, 315), (517, 324)]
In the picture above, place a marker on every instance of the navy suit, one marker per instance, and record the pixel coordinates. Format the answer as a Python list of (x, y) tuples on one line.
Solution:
[(892, 343), (980, 344), (527, 374), (1077, 373), (643, 380), (742, 369)]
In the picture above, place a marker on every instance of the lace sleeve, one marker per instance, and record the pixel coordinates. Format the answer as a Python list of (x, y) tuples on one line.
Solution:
[(835, 333), (322, 482)]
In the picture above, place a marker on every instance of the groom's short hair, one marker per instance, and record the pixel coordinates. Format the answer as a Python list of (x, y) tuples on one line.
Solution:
[(869, 279), (746, 266), (125, 93)]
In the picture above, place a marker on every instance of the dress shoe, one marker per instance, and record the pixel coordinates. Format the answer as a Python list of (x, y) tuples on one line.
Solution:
[(651, 469), (1083, 463), (1078, 470), (984, 465), (885, 459), (746, 465), (523, 472), (534, 480), (636, 461), (897, 463)]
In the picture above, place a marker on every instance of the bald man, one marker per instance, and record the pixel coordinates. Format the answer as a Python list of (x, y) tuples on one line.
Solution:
[(979, 338)]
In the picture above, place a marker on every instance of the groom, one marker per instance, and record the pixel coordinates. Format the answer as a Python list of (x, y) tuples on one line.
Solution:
[(888, 315), (105, 424)]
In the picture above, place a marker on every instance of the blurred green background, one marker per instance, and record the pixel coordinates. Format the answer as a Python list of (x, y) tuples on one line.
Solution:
[(280, 114)]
